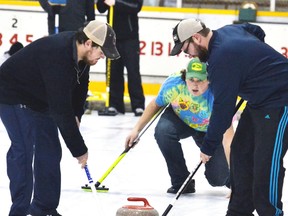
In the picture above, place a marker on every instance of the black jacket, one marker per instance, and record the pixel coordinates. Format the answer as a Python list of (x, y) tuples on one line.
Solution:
[(125, 17), (73, 15), (45, 77)]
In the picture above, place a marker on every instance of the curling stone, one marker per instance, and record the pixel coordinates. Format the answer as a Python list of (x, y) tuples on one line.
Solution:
[(132, 210)]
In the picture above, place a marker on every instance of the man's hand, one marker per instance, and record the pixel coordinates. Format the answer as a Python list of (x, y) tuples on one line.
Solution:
[(109, 2), (83, 160), (204, 158)]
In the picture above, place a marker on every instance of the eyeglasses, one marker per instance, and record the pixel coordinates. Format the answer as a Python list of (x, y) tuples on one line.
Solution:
[(187, 48)]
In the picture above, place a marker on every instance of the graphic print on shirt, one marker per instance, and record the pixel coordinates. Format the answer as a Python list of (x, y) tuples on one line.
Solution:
[(195, 111)]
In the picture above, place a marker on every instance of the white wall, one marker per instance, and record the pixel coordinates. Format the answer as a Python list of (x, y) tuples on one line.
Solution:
[(26, 24)]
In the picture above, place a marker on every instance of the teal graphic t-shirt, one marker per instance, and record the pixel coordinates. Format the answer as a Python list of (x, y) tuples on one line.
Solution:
[(195, 111)]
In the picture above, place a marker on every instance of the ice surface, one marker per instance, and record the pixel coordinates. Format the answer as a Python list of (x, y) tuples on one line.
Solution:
[(141, 173)]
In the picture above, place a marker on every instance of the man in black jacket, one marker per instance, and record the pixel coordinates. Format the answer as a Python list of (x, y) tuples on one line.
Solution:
[(125, 25), (43, 88), (72, 15)]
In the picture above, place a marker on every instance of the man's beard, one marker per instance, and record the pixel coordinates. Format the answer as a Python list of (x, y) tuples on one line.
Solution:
[(202, 53), (85, 59)]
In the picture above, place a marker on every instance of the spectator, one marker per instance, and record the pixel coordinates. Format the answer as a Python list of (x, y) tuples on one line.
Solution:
[(125, 24), (72, 15)]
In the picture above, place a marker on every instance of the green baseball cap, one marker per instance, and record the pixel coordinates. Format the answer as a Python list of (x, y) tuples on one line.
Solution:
[(196, 69)]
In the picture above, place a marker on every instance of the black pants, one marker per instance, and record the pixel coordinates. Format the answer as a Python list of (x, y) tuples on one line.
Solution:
[(51, 19), (257, 171), (129, 51)]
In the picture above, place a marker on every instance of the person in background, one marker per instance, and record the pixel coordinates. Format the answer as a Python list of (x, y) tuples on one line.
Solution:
[(42, 90), (73, 14), (241, 64), (15, 47), (189, 101), (125, 24)]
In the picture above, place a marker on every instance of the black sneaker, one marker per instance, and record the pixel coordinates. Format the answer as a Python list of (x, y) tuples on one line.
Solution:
[(56, 214), (52, 213), (138, 112), (189, 189)]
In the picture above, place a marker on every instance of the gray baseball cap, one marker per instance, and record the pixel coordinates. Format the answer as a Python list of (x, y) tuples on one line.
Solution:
[(182, 31), (102, 34)]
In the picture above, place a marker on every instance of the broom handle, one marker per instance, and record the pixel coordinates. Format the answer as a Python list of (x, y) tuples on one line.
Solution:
[(108, 75), (128, 148)]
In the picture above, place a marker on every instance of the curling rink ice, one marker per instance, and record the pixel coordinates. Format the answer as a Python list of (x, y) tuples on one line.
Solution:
[(141, 173)]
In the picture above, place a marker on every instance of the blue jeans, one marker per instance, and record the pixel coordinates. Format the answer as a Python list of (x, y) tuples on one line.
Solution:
[(33, 160), (168, 133)]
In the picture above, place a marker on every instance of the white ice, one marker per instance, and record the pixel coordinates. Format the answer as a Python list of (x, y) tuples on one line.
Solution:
[(141, 173)]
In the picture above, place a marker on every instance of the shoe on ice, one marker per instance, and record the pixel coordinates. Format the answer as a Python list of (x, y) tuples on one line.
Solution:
[(57, 214), (189, 189), (138, 112), (50, 213), (112, 110)]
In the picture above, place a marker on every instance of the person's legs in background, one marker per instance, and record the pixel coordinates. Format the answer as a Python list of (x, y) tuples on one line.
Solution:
[(131, 60), (52, 19), (116, 94)]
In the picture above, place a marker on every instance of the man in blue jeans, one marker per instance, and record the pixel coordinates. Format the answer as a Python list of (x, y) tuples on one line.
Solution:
[(43, 88), (187, 115)]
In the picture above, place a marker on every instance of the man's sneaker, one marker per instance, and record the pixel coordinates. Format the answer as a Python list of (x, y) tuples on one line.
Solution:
[(54, 214), (46, 213), (189, 189), (57, 214), (138, 112), (112, 110)]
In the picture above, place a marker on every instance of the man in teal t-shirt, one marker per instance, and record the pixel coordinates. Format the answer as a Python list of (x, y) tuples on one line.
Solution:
[(190, 105)]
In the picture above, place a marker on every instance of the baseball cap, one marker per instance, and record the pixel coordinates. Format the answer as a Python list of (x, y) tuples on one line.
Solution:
[(102, 34), (196, 69), (182, 31)]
